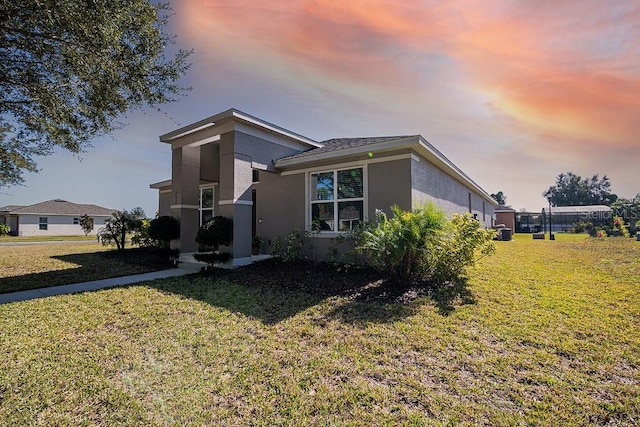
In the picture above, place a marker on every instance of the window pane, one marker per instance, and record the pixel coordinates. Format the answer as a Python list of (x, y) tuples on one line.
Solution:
[(322, 186), (349, 215), (322, 213), (350, 183), (206, 198), (206, 216)]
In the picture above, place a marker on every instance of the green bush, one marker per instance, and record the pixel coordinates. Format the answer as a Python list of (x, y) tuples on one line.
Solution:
[(218, 231), (423, 246), (403, 245), (295, 247), (4, 230), (163, 230)]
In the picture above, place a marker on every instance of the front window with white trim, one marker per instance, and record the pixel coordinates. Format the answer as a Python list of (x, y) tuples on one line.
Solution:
[(206, 204), (337, 199)]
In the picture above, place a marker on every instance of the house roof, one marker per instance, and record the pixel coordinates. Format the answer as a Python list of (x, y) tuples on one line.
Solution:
[(61, 207), (335, 149), (338, 144), (161, 184), (237, 116)]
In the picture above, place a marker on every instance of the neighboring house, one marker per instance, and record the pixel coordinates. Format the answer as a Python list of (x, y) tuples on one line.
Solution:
[(506, 216), (52, 218), (271, 180), (563, 218)]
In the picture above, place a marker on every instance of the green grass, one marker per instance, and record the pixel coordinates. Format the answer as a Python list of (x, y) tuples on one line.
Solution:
[(551, 339), (37, 266), (17, 239)]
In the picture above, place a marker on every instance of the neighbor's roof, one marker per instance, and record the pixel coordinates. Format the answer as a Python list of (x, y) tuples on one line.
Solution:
[(62, 207), (579, 209), (10, 208)]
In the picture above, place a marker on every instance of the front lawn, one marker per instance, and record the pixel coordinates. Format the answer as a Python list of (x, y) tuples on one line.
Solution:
[(548, 335), (38, 266)]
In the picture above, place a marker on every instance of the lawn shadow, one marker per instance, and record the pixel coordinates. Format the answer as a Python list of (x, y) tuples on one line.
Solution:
[(273, 291), (90, 266)]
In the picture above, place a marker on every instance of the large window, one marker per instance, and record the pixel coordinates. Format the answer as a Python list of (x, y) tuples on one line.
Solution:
[(43, 223), (206, 204), (337, 199)]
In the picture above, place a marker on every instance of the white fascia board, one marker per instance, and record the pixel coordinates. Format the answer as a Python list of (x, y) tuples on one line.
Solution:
[(159, 185), (274, 128), (184, 131), (436, 157), (355, 163), (240, 117), (363, 149)]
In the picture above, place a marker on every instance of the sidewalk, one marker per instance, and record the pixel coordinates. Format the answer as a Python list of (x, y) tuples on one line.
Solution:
[(90, 286)]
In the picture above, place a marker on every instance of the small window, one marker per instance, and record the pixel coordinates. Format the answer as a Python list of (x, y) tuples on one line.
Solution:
[(43, 223), (76, 220), (255, 176), (206, 205)]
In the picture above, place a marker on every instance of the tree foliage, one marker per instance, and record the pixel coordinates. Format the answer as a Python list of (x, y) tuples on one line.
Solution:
[(119, 225), (86, 223), (163, 230), (573, 190), (218, 231), (629, 210), (500, 198), (70, 68)]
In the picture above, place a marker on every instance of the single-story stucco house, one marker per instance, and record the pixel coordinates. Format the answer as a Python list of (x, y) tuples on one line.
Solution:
[(271, 180), (52, 218)]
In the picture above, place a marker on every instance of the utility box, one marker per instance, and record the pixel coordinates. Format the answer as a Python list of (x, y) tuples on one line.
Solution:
[(505, 234)]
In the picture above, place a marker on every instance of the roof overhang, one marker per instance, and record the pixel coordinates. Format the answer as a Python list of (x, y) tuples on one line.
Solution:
[(231, 120), (416, 143), (161, 184)]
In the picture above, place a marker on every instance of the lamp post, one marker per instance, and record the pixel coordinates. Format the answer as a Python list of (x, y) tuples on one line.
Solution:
[(551, 236)]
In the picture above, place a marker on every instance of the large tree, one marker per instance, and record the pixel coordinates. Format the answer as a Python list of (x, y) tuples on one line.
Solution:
[(70, 68), (573, 190)]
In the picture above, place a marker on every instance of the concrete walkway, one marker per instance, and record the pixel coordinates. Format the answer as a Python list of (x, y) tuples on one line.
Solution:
[(90, 286)]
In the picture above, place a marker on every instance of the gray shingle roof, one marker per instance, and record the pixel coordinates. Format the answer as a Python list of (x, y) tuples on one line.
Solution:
[(62, 207), (10, 208), (338, 144)]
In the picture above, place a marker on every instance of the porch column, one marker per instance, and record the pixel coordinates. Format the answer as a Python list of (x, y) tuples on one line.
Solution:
[(185, 195), (235, 197)]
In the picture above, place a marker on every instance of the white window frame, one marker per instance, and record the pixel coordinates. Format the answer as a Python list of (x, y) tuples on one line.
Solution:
[(42, 223), (335, 201), (213, 201)]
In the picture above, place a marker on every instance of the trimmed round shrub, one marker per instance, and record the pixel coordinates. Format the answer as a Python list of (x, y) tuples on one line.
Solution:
[(164, 229), (218, 231)]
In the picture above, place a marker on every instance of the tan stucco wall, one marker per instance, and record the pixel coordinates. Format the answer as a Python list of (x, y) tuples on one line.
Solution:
[(389, 184), (280, 204)]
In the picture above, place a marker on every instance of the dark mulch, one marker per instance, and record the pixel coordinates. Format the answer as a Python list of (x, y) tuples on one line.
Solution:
[(318, 278), (143, 258)]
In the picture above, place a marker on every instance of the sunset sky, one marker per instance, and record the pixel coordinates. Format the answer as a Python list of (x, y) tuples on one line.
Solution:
[(513, 92)]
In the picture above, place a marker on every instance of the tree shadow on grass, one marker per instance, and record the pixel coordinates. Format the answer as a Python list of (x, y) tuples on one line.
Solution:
[(272, 291), (90, 266)]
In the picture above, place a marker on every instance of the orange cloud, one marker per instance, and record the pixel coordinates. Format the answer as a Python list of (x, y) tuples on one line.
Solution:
[(565, 70)]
